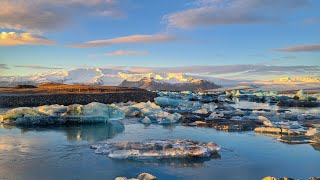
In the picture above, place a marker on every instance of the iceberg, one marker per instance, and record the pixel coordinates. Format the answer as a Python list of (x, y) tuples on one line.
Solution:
[(165, 101), (148, 110), (58, 115), (146, 120), (157, 149)]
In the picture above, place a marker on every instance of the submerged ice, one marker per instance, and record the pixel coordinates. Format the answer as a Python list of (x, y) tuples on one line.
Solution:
[(157, 149)]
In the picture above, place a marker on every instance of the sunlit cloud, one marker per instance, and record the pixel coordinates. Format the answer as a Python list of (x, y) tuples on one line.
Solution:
[(301, 48), (121, 53), (37, 67), (48, 15), (15, 39), (4, 66), (133, 39), (219, 12)]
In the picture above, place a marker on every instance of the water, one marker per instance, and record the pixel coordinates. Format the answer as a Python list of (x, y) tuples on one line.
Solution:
[(64, 153)]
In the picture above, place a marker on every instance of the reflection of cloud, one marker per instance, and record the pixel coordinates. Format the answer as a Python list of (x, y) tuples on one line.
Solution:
[(15, 39), (4, 66), (301, 48), (121, 53), (48, 15), (133, 39), (36, 67), (218, 12)]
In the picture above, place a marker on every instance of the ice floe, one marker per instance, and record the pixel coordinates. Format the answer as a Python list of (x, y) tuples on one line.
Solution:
[(149, 111), (58, 115), (157, 149)]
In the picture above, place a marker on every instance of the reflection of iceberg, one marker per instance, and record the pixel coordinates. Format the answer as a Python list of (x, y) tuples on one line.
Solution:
[(57, 115), (84, 132), (94, 132), (157, 149), (173, 162)]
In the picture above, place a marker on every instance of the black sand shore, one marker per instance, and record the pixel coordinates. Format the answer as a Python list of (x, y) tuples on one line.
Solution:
[(68, 94)]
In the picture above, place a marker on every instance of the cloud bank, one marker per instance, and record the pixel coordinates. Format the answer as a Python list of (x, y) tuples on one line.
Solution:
[(15, 39), (221, 12), (49, 15)]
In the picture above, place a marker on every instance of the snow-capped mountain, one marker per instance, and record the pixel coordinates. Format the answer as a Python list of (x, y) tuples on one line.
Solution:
[(94, 76), (186, 85), (226, 76)]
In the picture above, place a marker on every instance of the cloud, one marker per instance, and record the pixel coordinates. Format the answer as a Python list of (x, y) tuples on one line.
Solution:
[(133, 39), (121, 53), (301, 48), (4, 66), (222, 12), (48, 15), (15, 39), (37, 67)]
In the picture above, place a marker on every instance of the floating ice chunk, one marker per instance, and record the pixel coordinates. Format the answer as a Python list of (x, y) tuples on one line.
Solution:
[(236, 118), (259, 94), (230, 93), (165, 101), (142, 176), (155, 149), (201, 111), (311, 132), (168, 118), (52, 110), (265, 121), (215, 115), (150, 110), (22, 112), (131, 111), (288, 124), (145, 120), (186, 92), (56, 114), (303, 97)]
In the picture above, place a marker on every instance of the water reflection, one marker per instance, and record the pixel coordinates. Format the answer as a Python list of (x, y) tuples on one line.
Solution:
[(173, 162), (316, 146), (88, 132)]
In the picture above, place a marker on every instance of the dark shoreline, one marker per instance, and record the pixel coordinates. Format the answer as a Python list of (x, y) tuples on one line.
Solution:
[(18, 100)]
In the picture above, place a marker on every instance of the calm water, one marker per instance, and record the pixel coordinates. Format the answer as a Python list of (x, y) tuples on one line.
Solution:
[(63, 153)]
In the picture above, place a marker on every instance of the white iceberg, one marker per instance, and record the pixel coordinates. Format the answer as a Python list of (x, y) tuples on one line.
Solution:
[(57, 114), (150, 110), (157, 149), (165, 101)]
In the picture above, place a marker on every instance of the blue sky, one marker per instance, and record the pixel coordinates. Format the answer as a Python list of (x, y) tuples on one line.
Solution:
[(60, 34)]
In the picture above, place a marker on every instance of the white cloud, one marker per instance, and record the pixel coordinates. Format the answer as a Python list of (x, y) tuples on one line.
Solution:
[(49, 15), (220, 12), (15, 39)]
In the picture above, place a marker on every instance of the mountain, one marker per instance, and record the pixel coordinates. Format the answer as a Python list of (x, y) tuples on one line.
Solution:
[(153, 84), (226, 76)]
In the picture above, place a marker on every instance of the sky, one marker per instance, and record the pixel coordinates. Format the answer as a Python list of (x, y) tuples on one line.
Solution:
[(41, 35)]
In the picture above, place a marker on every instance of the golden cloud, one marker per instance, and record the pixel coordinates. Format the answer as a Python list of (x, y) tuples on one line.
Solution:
[(133, 39), (16, 39), (122, 53)]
